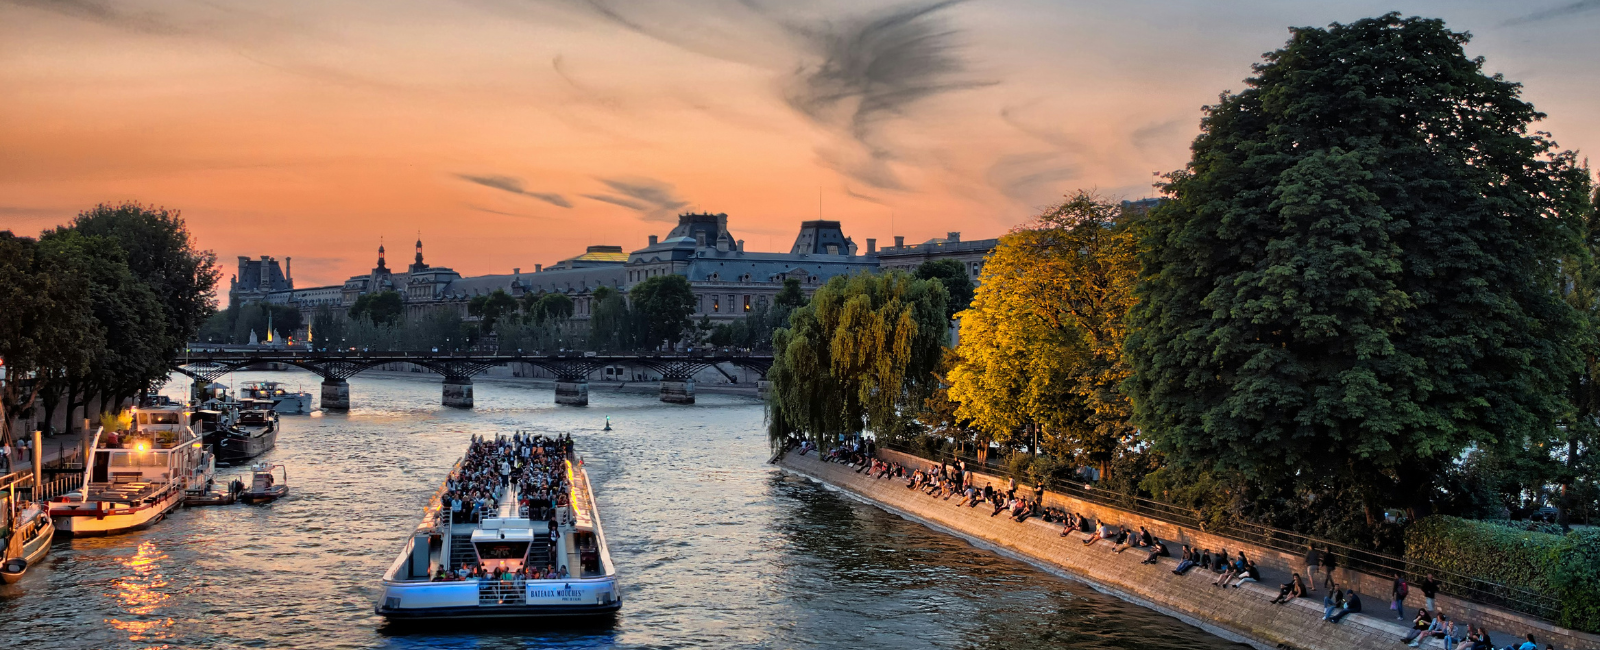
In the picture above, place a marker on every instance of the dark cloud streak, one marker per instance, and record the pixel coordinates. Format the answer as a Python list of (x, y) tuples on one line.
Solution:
[(514, 186), (657, 200), (1582, 6)]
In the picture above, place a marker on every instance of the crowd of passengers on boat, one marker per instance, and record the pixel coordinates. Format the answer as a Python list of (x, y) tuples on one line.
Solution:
[(532, 463)]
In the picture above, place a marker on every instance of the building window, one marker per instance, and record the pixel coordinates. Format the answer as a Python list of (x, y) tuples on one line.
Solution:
[(716, 304), (747, 302)]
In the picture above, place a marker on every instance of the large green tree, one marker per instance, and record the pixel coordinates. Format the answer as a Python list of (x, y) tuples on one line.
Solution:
[(663, 305), (46, 322), (491, 308), (1354, 280), (861, 354), (161, 253), (380, 307), (953, 275)]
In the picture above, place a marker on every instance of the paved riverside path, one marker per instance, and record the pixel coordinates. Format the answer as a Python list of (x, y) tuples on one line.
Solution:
[(54, 448), (1241, 611)]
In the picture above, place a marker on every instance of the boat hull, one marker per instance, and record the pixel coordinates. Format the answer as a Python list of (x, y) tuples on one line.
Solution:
[(463, 600), (266, 496), (32, 552), (74, 523), (234, 449)]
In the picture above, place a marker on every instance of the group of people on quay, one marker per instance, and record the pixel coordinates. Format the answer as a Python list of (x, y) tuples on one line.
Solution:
[(532, 463), (954, 481)]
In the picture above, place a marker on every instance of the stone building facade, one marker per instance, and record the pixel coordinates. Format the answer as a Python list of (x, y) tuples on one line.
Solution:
[(728, 280)]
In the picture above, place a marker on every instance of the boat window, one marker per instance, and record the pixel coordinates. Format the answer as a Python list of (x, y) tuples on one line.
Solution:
[(144, 418), (139, 459), (502, 550), (162, 418)]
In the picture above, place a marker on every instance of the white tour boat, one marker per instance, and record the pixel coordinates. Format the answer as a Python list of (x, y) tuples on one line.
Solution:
[(495, 562), (134, 480)]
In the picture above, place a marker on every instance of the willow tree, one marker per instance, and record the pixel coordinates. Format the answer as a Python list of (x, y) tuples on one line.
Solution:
[(860, 355), (1041, 345), (1355, 279)]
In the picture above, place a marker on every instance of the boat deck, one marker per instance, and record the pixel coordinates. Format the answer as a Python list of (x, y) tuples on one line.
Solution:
[(129, 492)]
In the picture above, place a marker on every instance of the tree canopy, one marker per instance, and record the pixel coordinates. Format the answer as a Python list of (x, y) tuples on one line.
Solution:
[(663, 305), (861, 354), (1352, 282), (1042, 342), (380, 307), (953, 275), (491, 308)]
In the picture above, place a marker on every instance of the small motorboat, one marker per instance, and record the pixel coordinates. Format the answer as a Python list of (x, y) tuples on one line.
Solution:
[(268, 483), (29, 541)]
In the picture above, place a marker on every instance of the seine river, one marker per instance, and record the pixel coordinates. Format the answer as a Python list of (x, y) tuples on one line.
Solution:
[(715, 548)]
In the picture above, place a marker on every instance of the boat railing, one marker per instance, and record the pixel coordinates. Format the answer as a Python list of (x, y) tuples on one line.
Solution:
[(502, 592)]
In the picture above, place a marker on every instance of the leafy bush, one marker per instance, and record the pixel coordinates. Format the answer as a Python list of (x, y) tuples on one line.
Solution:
[(1574, 567), (1483, 550)]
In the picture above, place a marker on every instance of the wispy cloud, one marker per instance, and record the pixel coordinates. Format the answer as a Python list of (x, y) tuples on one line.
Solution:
[(1581, 6), (658, 200), (874, 68), (108, 13), (514, 185)]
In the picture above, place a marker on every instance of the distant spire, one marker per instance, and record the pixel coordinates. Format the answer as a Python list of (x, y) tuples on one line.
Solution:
[(381, 264)]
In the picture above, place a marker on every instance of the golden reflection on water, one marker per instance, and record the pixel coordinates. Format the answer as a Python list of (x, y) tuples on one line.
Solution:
[(139, 593)]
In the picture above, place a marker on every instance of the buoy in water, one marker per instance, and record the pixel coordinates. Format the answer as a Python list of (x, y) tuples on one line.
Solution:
[(608, 423)]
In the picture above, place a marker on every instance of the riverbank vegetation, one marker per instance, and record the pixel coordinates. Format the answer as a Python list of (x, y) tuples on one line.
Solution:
[(1369, 297), (95, 310)]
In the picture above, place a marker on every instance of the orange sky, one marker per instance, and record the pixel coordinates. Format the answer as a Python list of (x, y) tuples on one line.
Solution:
[(514, 132)]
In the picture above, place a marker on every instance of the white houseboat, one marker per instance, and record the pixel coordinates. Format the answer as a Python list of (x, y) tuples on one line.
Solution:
[(135, 479), (283, 400), (464, 565)]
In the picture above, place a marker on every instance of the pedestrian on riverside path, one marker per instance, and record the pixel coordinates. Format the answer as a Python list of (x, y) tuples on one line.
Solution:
[(1398, 591), (1430, 588), (1313, 560), (5, 452)]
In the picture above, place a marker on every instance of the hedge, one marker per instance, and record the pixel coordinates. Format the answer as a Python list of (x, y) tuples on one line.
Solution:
[(1567, 567)]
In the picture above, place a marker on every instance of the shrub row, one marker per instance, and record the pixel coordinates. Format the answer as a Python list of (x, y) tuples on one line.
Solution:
[(1567, 567)]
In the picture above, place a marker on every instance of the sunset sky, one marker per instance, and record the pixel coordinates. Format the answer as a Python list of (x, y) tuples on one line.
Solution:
[(515, 132)]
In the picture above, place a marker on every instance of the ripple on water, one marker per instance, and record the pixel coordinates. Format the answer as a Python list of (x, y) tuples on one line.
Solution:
[(716, 548)]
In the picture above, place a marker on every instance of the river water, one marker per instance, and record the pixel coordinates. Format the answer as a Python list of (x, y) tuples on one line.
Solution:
[(715, 548)]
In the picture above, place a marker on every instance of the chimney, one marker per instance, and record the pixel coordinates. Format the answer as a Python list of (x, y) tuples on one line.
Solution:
[(287, 275), (652, 240), (516, 270), (953, 237), (872, 245), (899, 241), (741, 245), (538, 267)]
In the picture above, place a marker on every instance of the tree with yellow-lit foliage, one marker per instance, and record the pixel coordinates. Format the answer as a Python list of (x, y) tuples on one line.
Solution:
[(1041, 345)]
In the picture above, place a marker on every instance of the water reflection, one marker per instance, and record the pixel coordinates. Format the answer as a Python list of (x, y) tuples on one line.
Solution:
[(140, 593)]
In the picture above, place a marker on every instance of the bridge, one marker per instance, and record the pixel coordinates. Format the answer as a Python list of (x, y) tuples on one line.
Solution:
[(571, 369)]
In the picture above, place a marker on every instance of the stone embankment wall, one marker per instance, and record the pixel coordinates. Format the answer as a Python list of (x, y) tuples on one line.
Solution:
[(1279, 562), (1243, 614)]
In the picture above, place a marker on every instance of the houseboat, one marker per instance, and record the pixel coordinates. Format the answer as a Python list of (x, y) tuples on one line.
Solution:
[(284, 401), (134, 479), (537, 551), (24, 539)]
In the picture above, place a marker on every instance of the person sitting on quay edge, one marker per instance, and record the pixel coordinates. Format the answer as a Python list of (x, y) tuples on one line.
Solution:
[(1249, 574), (1158, 550), (1419, 624), (1352, 605), (1436, 629), (1290, 590), (1527, 644), (1124, 541), (1185, 561), (1230, 569), (1332, 602), (1220, 562), (1102, 532)]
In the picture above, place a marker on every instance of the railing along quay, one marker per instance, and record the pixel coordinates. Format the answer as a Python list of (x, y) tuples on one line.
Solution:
[(1370, 562)]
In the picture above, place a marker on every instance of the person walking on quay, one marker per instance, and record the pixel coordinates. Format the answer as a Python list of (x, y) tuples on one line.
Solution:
[(1329, 563), (1430, 588), (1313, 560), (5, 453), (1398, 592)]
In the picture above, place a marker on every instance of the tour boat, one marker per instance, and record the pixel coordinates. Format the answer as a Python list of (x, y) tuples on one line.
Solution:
[(507, 538), (31, 532), (265, 484), (134, 481), (283, 400)]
